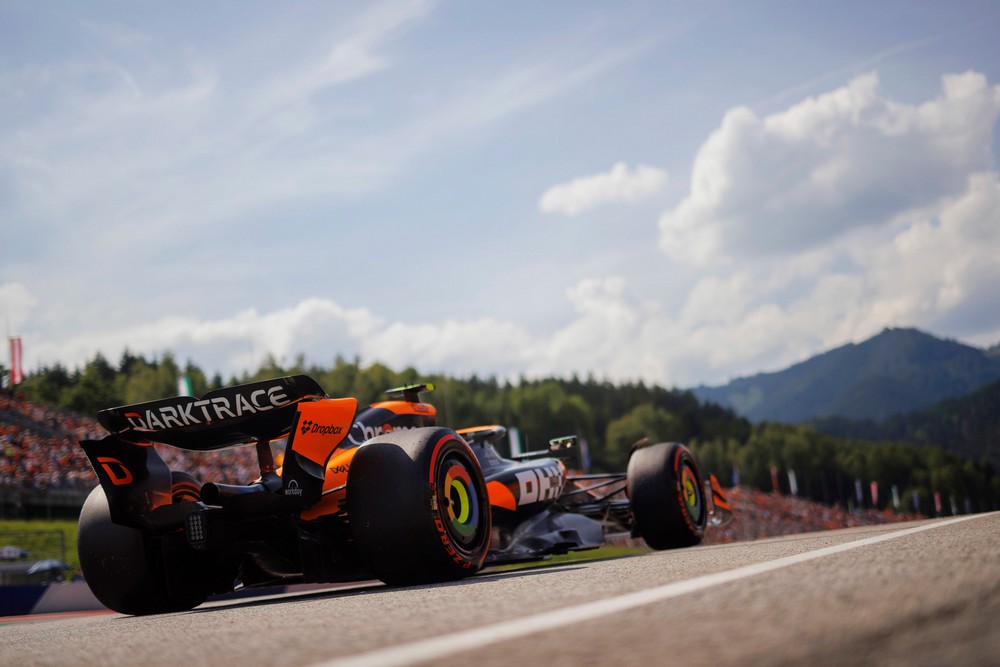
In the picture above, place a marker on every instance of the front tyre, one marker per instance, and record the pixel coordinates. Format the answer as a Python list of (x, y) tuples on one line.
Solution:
[(418, 507), (666, 493)]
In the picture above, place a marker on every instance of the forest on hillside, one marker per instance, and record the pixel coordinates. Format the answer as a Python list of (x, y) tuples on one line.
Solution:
[(968, 425), (608, 417)]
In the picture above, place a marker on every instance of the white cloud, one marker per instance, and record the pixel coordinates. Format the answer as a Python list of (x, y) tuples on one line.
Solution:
[(605, 336), (844, 214), (612, 336), (943, 270), (938, 271), (482, 346), (846, 159), (617, 185), (318, 328), (16, 305)]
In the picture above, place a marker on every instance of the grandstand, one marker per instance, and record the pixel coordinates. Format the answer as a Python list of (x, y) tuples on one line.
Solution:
[(44, 473)]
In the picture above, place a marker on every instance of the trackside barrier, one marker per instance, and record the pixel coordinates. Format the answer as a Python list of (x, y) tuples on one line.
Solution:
[(22, 600)]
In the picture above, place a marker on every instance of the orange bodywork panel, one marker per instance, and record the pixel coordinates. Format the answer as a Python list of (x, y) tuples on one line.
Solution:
[(334, 486), (718, 498), (501, 496), (490, 433), (323, 425), (408, 408), (477, 429)]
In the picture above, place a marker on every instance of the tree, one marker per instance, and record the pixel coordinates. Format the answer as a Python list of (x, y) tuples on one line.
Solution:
[(543, 411), (95, 390), (644, 421), (151, 381), (49, 385)]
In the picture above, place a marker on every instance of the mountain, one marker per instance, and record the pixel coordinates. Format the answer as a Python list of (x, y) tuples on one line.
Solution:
[(898, 371)]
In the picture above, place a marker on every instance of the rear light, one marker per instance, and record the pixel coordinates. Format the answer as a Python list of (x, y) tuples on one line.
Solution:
[(196, 529)]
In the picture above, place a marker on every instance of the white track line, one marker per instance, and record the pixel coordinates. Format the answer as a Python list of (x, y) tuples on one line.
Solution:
[(443, 645)]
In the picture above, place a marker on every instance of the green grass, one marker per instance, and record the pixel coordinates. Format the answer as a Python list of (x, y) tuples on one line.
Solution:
[(599, 553), (67, 526)]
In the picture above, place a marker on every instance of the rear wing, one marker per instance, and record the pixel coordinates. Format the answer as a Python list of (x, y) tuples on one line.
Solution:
[(137, 482), (254, 412)]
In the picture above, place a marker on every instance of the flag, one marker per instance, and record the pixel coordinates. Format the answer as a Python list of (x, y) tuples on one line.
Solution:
[(774, 478), (184, 386), (875, 494), (793, 483), (937, 502), (895, 496), (514, 437), (16, 361)]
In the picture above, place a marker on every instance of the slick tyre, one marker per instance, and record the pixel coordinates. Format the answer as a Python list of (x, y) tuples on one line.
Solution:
[(125, 569), (666, 494), (418, 507), (184, 486)]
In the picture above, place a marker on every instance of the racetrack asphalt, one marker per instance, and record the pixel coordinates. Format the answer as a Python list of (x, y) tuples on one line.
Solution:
[(921, 593)]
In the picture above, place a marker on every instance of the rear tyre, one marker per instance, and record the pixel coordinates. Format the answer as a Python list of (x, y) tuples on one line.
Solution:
[(125, 569), (184, 486), (418, 507), (666, 493)]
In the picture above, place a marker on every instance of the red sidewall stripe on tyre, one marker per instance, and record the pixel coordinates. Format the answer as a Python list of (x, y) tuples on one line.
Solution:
[(457, 552)]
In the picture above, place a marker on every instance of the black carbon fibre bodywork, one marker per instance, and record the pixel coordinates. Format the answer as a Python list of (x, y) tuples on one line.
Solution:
[(539, 514)]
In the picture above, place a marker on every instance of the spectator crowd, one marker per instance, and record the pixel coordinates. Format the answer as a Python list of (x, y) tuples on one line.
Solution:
[(40, 451), (757, 514)]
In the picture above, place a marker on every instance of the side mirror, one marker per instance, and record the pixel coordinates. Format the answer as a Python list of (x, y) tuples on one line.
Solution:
[(562, 444)]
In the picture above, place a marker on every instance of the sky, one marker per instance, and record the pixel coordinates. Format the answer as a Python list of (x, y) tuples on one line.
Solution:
[(680, 193)]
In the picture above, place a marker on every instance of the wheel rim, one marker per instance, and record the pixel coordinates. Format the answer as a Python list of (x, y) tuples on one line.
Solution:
[(457, 493), (691, 493)]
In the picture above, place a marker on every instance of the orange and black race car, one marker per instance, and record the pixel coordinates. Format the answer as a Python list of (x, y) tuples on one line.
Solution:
[(380, 491)]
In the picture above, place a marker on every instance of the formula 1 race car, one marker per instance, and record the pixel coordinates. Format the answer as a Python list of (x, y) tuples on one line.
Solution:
[(378, 492)]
